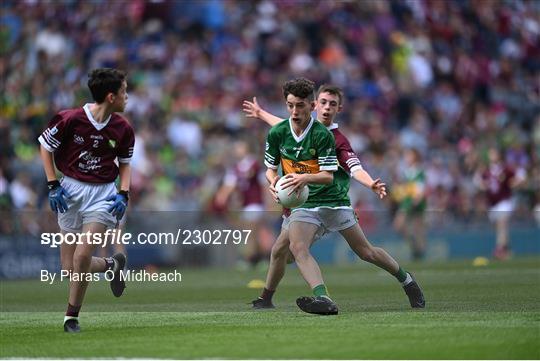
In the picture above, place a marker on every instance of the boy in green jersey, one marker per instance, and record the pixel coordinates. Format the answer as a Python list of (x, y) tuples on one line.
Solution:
[(306, 151), (412, 203), (329, 103)]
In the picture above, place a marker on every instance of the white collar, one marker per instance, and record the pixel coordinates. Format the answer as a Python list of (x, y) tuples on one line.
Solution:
[(303, 135), (332, 126), (90, 117)]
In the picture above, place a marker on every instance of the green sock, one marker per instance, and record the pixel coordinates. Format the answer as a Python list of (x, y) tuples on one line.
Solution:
[(401, 275), (320, 290)]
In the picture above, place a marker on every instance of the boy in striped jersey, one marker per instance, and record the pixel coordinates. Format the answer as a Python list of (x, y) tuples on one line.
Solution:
[(84, 144), (329, 104)]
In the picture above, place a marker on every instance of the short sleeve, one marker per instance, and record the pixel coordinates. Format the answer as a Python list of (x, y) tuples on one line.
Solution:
[(326, 150), (347, 158), (52, 138), (125, 150), (271, 153)]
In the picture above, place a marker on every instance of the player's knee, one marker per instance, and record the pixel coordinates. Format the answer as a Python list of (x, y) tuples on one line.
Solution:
[(277, 254), (298, 249), (280, 250)]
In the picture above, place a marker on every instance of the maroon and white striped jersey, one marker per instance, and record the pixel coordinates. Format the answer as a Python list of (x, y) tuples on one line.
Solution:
[(346, 156), (498, 178), (245, 176), (85, 149)]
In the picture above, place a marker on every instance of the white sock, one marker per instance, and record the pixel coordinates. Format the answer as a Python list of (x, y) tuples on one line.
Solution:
[(66, 318), (407, 280), (116, 265)]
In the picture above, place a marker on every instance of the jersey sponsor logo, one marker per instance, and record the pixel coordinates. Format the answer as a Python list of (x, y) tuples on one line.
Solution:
[(89, 161), (53, 130), (304, 166), (100, 137), (78, 139), (312, 151)]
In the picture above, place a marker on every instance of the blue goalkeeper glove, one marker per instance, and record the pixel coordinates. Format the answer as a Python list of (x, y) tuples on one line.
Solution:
[(57, 193), (120, 201)]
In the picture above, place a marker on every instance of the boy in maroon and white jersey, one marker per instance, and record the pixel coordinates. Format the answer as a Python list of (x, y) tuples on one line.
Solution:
[(245, 178), (497, 180), (85, 144)]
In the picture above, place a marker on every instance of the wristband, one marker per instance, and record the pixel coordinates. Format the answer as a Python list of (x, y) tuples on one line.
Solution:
[(53, 184), (125, 194)]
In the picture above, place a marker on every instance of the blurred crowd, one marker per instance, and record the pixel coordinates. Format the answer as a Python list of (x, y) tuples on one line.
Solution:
[(450, 79)]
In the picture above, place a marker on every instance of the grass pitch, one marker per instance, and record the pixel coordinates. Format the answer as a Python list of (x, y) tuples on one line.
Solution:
[(490, 312)]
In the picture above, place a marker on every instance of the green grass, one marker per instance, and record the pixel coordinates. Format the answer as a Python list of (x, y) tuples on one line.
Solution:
[(490, 312)]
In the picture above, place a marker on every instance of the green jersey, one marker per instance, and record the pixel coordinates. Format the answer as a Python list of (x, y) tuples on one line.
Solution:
[(411, 188), (311, 152)]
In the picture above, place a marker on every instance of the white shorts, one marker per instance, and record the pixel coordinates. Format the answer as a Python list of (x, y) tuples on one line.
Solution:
[(327, 219), (502, 210), (86, 205)]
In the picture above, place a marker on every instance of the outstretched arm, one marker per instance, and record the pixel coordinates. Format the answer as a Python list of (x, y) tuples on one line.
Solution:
[(377, 186), (350, 162), (254, 110)]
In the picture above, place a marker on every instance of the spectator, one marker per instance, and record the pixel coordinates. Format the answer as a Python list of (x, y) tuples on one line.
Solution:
[(445, 77)]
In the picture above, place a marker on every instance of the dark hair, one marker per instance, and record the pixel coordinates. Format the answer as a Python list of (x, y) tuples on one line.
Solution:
[(301, 88), (332, 89), (103, 81)]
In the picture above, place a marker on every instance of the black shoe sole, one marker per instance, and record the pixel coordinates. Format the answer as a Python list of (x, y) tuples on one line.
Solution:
[(258, 305), (118, 285), (307, 305), (265, 307)]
